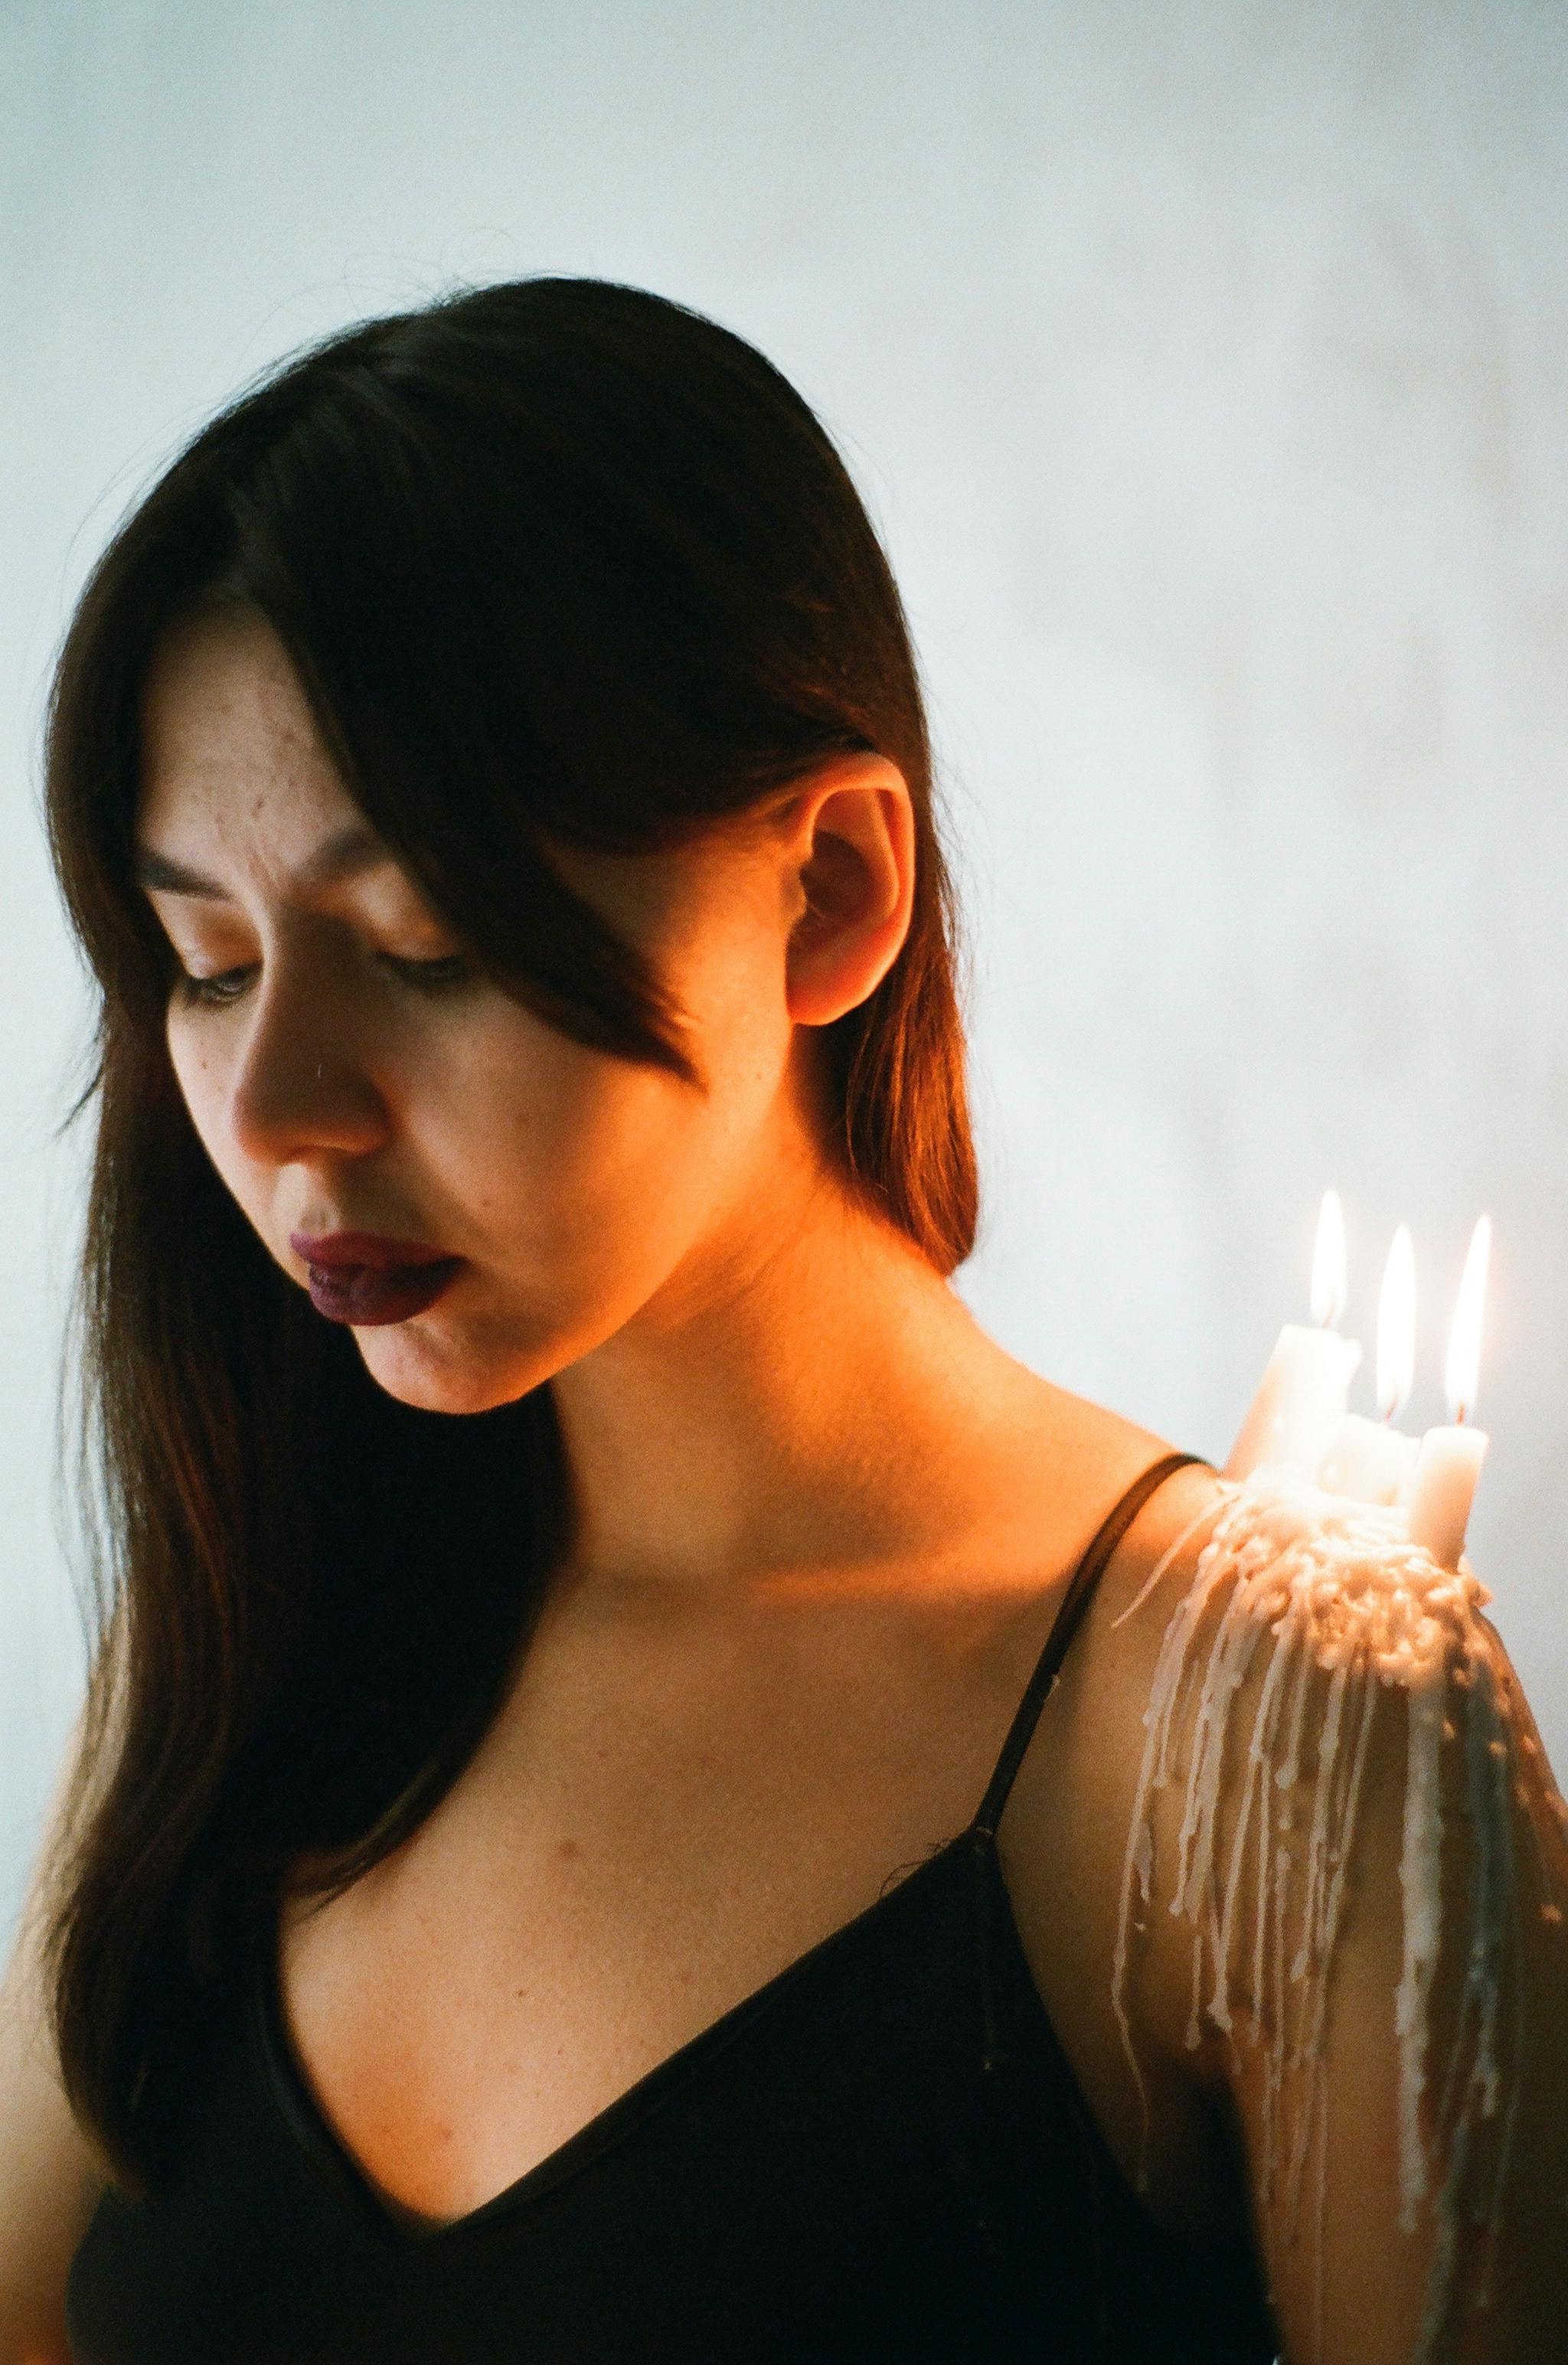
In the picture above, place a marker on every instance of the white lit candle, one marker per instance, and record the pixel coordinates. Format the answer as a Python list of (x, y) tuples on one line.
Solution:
[(1371, 1460), (1443, 1485), (1300, 1397)]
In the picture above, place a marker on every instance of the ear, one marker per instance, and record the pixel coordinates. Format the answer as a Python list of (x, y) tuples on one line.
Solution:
[(850, 883)]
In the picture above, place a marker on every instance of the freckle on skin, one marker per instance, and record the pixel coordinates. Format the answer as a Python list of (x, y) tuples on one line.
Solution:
[(566, 1849)]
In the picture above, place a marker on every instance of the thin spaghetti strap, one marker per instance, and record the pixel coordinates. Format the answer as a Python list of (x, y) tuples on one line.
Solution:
[(1074, 1602)]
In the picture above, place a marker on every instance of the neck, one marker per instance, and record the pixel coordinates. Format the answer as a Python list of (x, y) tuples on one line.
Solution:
[(807, 1395)]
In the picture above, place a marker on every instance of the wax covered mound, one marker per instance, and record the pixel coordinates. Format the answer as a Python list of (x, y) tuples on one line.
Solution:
[(1310, 1621)]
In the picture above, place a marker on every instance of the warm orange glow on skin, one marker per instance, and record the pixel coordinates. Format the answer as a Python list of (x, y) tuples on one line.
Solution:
[(682, 1262), (331, 1093)]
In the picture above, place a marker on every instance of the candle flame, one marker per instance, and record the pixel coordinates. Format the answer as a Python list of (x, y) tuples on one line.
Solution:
[(1328, 1283), (1396, 1328), (1463, 1369)]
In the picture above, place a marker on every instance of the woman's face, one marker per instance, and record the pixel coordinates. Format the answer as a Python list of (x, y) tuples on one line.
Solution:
[(347, 1072)]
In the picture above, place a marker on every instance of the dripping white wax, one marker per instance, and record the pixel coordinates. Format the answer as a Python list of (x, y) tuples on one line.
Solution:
[(1295, 1584)]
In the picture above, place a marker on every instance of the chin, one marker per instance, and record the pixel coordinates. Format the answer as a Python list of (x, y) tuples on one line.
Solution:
[(434, 1376)]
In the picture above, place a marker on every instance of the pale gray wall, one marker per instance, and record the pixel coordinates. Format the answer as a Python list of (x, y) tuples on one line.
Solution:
[(1207, 368)]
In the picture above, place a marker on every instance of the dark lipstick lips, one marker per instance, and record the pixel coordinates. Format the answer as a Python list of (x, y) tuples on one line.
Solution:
[(365, 1279), (373, 1249)]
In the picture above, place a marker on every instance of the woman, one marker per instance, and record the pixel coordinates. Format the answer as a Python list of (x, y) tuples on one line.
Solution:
[(565, 1858)]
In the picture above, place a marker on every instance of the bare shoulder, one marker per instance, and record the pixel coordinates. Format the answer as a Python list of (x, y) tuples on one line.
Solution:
[(1064, 1838), (1291, 1872), (51, 2174)]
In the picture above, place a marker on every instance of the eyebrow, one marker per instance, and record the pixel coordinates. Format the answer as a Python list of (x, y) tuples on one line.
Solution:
[(342, 855)]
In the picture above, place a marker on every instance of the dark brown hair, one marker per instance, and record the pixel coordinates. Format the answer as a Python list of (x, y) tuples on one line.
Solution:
[(554, 559)]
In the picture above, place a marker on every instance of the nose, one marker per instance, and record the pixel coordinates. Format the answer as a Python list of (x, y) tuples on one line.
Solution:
[(303, 1085)]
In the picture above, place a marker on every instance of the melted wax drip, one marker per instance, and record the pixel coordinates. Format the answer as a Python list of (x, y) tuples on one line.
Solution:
[(1296, 1586)]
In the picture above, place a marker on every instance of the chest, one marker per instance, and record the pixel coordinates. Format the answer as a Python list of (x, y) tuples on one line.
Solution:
[(833, 2173), (626, 1862)]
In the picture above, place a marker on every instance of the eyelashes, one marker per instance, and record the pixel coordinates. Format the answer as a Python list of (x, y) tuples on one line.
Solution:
[(225, 986)]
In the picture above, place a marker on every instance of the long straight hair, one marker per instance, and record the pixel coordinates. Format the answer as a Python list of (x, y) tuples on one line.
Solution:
[(554, 559)]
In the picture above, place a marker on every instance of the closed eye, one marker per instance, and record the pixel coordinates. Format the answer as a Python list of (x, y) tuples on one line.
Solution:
[(227, 985)]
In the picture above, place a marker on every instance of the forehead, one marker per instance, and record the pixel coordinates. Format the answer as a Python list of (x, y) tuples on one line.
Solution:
[(229, 742)]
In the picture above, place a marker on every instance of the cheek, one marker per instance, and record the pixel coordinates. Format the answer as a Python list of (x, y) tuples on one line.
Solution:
[(577, 1184), (563, 1152), (204, 1088), (583, 1161)]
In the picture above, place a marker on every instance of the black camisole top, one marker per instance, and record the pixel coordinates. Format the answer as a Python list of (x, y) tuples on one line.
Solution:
[(879, 2157)]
